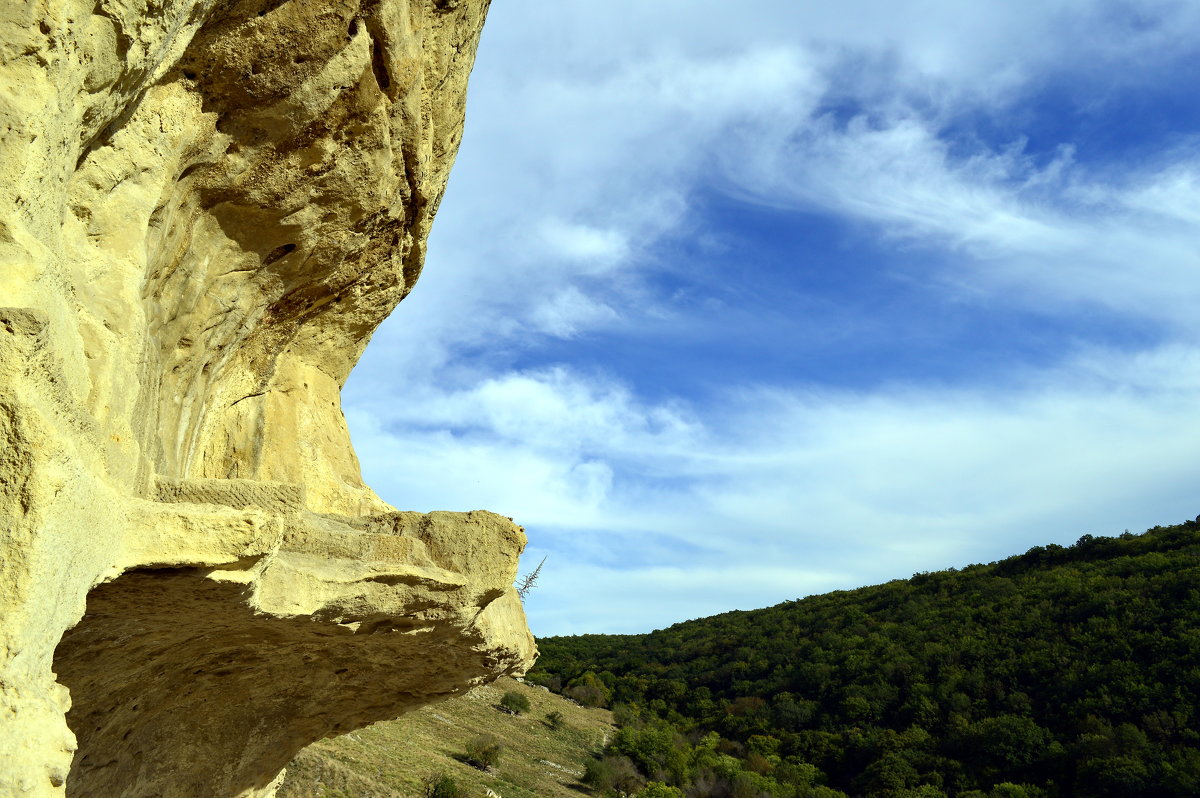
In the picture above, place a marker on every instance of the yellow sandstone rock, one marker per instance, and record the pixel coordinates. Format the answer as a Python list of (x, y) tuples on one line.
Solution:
[(206, 208)]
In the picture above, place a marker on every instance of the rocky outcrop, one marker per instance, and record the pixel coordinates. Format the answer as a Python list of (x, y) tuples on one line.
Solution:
[(206, 208)]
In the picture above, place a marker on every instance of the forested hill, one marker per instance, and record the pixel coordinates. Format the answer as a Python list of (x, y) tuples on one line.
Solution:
[(1064, 671)]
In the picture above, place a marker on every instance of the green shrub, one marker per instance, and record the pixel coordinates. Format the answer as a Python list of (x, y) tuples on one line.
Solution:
[(484, 751), (515, 702), (439, 785), (554, 720)]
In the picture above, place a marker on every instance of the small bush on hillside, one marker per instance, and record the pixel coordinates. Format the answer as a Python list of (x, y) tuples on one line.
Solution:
[(439, 785), (484, 751), (554, 720), (515, 702)]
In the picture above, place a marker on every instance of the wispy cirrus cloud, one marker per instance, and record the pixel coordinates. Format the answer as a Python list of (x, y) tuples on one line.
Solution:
[(1121, 239), (557, 361)]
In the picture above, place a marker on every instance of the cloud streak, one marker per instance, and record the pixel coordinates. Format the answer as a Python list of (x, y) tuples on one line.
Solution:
[(868, 486), (577, 232)]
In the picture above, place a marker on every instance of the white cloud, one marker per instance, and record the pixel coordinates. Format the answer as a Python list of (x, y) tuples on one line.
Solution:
[(541, 446), (833, 489), (1043, 235), (583, 243), (568, 311), (591, 127)]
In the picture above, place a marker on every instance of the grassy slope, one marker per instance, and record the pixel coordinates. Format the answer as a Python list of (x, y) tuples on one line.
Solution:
[(391, 758)]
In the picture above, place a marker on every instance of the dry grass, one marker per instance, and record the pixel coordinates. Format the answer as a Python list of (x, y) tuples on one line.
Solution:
[(391, 758)]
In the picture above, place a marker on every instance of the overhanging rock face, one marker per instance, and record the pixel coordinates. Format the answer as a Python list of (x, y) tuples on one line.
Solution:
[(206, 208), (206, 681)]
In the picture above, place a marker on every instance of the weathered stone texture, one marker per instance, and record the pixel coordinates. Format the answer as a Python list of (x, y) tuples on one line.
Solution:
[(206, 208)]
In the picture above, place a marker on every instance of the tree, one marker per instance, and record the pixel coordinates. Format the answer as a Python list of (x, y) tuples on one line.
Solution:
[(588, 690), (889, 773), (515, 702), (1009, 790)]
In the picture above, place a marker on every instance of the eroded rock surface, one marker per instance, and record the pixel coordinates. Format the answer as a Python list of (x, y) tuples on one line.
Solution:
[(206, 207)]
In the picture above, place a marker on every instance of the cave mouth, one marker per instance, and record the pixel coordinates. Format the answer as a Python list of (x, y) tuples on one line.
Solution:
[(179, 688)]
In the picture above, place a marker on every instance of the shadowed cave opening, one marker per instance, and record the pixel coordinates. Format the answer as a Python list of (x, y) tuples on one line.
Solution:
[(179, 688)]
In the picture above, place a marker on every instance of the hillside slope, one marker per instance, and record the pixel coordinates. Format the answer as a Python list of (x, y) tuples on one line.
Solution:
[(390, 759), (1074, 671)]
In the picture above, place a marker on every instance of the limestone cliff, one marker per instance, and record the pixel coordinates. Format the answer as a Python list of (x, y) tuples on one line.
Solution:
[(206, 208)]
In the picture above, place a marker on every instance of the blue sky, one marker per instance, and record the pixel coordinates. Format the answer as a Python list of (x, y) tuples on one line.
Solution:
[(732, 306)]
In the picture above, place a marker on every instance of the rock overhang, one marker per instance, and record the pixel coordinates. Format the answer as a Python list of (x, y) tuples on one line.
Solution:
[(206, 208)]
